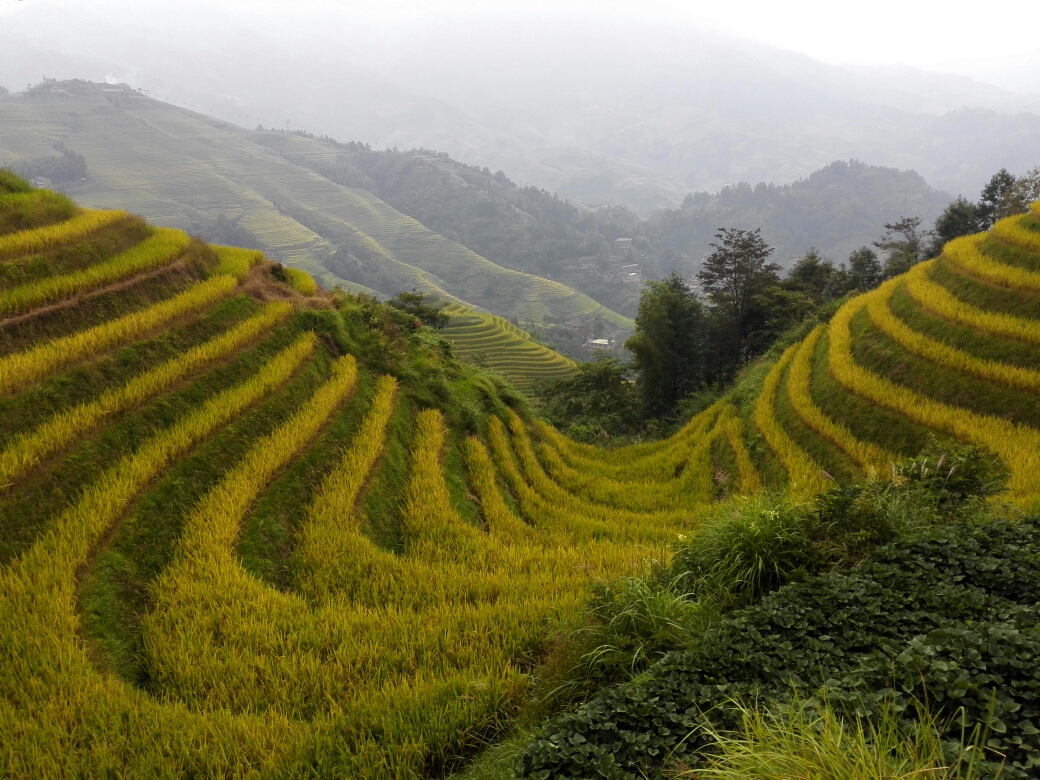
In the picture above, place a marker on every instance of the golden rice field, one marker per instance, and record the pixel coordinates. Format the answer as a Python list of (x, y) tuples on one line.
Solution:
[(503, 346), (244, 534)]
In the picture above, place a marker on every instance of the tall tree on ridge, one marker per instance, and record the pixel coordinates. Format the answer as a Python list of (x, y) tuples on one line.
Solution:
[(905, 243), (668, 345), (732, 276)]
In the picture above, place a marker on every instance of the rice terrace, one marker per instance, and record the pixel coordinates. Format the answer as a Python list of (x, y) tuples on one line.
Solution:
[(252, 528)]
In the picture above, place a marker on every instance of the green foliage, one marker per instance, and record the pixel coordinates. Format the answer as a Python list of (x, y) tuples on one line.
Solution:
[(865, 272), (415, 304), (960, 218), (67, 166), (732, 276), (34, 209), (946, 618), (755, 546), (667, 347), (596, 401), (12, 182), (905, 243)]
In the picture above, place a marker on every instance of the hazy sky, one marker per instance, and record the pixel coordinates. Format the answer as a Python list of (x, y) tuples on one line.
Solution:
[(953, 36)]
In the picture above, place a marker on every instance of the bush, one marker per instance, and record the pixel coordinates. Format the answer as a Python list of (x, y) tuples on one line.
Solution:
[(949, 618), (754, 546)]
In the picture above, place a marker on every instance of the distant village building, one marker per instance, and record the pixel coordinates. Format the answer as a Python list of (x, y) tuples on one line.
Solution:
[(42, 182), (631, 273), (622, 246), (588, 263), (591, 345)]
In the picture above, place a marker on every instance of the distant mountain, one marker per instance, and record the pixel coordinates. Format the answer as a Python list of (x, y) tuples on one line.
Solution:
[(604, 110), (836, 209)]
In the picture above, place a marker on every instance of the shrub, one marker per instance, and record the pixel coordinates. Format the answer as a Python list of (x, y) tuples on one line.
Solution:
[(948, 618)]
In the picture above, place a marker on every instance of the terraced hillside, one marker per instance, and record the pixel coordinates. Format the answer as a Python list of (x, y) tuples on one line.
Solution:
[(187, 171), (248, 531), (502, 346), (948, 349)]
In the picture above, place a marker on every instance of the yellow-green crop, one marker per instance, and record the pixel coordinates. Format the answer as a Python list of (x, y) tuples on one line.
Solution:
[(22, 368), (160, 248), (78, 227), (25, 450)]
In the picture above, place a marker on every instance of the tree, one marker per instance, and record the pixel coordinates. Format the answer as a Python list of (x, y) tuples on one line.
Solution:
[(865, 272), (733, 274), (996, 191), (667, 346), (905, 243), (811, 275), (415, 304), (1024, 191), (960, 218), (597, 399)]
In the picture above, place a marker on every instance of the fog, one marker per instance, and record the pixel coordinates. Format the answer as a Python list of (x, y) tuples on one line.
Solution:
[(600, 102)]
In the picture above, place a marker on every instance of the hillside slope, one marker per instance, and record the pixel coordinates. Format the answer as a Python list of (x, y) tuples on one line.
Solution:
[(182, 169), (251, 531)]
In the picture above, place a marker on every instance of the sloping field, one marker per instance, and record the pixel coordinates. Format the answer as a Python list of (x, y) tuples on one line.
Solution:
[(504, 347), (175, 167)]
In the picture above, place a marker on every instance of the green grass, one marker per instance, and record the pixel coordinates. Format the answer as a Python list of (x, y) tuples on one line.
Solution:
[(867, 421), (35, 500), (1018, 303), (37, 208), (29, 408), (503, 347), (823, 453), (268, 536), (101, 245), (85, 312)]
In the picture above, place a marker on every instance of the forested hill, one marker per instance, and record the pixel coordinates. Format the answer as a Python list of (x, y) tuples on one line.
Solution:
[(836, 209)]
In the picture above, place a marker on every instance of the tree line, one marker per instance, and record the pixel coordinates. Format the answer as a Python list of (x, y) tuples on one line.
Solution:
[(693, 337)]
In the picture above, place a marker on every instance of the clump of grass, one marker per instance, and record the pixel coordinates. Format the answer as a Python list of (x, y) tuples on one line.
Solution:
[(802, 741)]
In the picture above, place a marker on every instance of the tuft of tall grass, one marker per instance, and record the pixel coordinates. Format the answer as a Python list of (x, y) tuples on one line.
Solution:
[(804, 741), (236, 261), (301, 281)]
